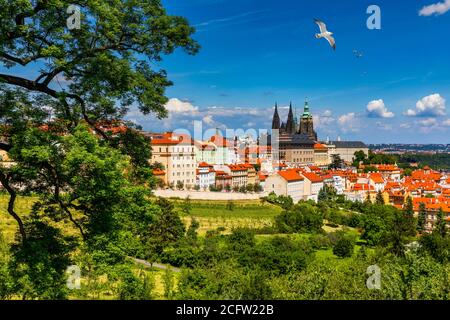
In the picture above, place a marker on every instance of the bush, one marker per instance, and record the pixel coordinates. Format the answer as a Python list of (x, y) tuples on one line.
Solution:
[(343, 248), (241, 238), (302, 218), (320, 241), (278, 256)]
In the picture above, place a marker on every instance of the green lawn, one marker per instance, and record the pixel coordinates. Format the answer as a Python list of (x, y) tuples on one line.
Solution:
[(247, 213)]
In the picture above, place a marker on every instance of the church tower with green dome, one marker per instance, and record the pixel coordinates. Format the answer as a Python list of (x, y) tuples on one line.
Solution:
[(307, 123)]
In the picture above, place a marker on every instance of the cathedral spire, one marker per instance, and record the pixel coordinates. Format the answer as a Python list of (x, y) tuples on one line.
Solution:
[(290, 125), (276, 118), (306, 112)]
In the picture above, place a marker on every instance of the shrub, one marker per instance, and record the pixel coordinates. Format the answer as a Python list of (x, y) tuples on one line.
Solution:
[(301, 218), (343, 248)]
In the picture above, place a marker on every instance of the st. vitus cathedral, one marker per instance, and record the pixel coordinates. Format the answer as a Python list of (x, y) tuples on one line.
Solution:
[(304, 127)]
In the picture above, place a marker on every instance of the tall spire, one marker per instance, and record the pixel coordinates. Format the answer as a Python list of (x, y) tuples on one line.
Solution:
[(276, 118), (290, 125), (306, 112)]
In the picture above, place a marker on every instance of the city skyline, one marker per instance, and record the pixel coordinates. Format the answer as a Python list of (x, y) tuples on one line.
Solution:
[(393, 90)]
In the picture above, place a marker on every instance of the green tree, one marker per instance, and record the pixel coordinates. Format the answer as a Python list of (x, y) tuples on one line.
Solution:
[(379, 199), (240, 238), (343, 248), (359, 157), (336, 162), (422, 218), (98, 182), (302, 217), (186, 206), (409, 207), (191, 233), (441, 223), (134, 287), (168, 227)]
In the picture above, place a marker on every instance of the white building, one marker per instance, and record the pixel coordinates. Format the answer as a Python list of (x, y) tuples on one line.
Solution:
[(286, 183), (206, 176)]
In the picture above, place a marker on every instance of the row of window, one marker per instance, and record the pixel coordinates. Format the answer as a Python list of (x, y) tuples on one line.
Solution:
[(178, 149), (304, 160), (182, 174), (182, 166)]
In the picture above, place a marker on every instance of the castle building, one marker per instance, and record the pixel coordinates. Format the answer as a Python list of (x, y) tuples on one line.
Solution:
[(292, 126), (295, 140)]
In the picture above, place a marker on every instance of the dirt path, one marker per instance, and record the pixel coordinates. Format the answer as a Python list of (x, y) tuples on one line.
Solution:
[(155, 265)]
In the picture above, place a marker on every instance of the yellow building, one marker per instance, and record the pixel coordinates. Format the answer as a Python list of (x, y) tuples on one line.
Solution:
[(176, 153), (321, 158)]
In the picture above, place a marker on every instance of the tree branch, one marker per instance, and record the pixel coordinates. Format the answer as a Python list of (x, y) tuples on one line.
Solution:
[(12, 199)]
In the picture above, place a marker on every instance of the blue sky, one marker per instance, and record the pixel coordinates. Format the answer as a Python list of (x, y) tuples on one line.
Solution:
[(257, 52)]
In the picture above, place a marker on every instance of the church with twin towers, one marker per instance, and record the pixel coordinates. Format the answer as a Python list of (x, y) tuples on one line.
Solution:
[(298, 141), (295, 126)]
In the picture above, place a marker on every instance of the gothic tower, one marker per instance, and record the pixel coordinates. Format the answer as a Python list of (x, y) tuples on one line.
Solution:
[(290, 125), (276, 118), (307, 123)]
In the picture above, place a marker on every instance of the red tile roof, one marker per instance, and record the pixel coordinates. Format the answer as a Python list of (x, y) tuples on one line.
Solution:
[(290, 176), (319, 146), (170, 138), (377, 178), (314, 178)]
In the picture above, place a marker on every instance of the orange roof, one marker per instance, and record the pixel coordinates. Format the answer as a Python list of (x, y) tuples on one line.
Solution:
[(392, 185), (377, 178), (387, 167), (204, 165), (319, 146), (237, 167), (362, 187), (422, 175), (314, 178), (171, 138), (290, 176), (262, 176)]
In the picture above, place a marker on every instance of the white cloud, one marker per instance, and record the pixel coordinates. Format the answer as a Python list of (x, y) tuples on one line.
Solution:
[(436, 9), (377, 109), (349, 122), (175, 105), (446, 123), (384, 126), (324, 120), (405, 125), (208, 119), (429, 106), (430, 122)]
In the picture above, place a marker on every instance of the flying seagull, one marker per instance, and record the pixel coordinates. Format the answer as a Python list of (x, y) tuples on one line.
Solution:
[(324, 33), (357, 53)]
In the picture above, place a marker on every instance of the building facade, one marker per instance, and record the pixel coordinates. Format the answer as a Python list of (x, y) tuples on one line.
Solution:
[(177, 154)]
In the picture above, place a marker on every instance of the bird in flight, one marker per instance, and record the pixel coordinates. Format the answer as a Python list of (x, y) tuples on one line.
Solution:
[(324, 33), (357, 53)]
